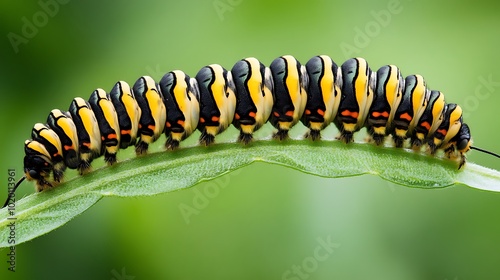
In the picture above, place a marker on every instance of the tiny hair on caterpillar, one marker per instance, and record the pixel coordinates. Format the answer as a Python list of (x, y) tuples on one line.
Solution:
[(351, 96)]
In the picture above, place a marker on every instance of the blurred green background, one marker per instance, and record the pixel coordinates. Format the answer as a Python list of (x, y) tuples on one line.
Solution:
[(262, 221)]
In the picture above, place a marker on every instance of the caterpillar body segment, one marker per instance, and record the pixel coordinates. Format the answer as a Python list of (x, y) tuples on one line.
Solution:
[(107, 120), (181, 98), (412, 106), (128, 112), (356, 98), (430, 120), (449, 127), (89, 135), (153, 113), (290, 97), (48, 138), (388, 92), (217, 101), (65, 129), (323, 94), (254, 96)]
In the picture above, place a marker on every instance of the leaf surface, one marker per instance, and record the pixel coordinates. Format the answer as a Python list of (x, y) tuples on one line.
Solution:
[(164, 172)]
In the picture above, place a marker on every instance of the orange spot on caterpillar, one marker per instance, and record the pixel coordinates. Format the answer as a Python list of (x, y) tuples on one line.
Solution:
[(251, 114), (405, 116), (125, 131), (168, 124), (151, 127), (215, 118), (308, 112), (276, 114), (426, 125), (378, 114), (180, 122), (67, 148), (442, 131), (202, 120), (236, 116), (289, 113), (347, 113), (86, 144), (111, 136), (321, 112)]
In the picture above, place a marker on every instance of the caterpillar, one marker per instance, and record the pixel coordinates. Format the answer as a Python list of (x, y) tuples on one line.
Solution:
[(351, 96)]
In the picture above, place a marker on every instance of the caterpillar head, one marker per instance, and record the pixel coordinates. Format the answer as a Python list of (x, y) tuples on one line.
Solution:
[(463, 139), (37, 163)]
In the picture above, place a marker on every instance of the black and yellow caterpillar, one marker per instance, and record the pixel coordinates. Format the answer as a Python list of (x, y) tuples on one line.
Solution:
[(351, 96)]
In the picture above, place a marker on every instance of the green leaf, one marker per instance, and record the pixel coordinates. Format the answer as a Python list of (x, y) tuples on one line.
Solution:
[(164, 172)]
